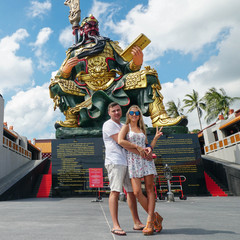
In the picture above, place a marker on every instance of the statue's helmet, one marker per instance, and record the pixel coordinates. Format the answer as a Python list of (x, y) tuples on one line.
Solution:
[(89, 25), (88, 20)]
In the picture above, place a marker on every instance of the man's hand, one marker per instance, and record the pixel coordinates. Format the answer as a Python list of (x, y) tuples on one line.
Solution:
[(141, 152), (137, 55), (72, 62)]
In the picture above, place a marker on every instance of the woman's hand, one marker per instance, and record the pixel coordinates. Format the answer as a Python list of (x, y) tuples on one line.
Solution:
[(158, 133), (148, 150), (148, 153)]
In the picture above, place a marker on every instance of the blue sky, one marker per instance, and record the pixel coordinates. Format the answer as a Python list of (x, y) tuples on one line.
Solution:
[(195, 45)]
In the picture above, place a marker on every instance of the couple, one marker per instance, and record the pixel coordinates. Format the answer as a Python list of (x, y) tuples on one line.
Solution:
[(135, 163)]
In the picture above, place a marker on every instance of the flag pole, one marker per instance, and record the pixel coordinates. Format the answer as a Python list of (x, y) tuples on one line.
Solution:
[(74, 16)]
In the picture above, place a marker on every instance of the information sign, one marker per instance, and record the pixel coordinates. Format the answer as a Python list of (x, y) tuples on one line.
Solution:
[(95, 178)]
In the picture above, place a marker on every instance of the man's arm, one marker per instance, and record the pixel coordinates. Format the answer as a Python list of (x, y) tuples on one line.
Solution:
[(127, 144), (133, 150)]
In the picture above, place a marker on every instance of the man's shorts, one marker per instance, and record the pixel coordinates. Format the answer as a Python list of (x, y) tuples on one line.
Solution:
[(118, 178)]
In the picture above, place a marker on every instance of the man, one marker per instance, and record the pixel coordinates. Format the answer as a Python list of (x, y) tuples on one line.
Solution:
[(116, 165), (94, 74)]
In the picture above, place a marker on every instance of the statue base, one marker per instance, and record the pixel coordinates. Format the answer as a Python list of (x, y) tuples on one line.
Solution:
[(66, 133), (73, 157)]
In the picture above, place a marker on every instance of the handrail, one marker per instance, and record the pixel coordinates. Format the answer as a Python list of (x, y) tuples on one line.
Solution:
[(224, 143), (16, 148)]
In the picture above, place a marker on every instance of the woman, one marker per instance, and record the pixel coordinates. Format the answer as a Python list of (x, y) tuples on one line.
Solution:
[(133, 136)]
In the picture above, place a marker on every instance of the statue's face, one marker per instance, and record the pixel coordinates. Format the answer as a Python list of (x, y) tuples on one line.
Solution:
[(91, 27)]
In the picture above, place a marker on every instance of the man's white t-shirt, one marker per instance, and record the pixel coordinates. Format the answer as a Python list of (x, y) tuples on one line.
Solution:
[(114, 153)]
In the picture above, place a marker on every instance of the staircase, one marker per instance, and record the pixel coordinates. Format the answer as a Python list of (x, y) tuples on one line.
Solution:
[(44, 189), (213, 187)]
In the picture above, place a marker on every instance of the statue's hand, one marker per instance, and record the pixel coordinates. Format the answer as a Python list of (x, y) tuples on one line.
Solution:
[(137, 55), (72, 62)]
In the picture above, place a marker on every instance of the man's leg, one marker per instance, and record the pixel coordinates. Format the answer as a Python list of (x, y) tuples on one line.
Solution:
[(113, 207), (115, 175)]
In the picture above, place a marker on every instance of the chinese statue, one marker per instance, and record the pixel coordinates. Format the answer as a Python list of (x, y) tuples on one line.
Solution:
[(95, 74)]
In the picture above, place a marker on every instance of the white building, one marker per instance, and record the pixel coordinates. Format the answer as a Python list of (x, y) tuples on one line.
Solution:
[(222, 139), (15, 150)]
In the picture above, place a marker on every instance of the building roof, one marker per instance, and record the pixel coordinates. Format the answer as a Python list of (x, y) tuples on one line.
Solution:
[(229, 123), (10, 132), (44, 144)]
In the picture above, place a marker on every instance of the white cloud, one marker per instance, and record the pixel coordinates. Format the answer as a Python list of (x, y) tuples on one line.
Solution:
[(184, 26), (44, 64), (99, 8), (31, 113), (15, 70), (104, 13), (53, 74), (66, 37), (43, 36), (221, 71), (38, 9)]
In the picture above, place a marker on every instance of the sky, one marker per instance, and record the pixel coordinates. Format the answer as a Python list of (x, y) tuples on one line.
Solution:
[(194, 45)]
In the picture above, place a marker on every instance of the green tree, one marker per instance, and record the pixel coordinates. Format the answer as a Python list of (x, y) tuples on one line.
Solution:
[(174, 110), (217, 103), (192, 102), (195, 131)]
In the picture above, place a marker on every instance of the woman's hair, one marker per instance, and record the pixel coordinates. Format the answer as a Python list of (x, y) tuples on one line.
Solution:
[(140, 123)]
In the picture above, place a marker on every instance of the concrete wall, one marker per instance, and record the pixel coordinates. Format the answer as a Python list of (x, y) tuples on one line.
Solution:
[(230, 154), (10, 161)]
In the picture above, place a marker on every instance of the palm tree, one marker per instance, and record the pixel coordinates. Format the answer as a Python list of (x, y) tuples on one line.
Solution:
[(217, 103), (193, 102), (174, 110)]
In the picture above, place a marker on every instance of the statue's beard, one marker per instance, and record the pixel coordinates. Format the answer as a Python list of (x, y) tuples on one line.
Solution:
[(95, 38)]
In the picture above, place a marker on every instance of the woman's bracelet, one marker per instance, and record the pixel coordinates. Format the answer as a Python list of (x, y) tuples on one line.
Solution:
[(148, 145)]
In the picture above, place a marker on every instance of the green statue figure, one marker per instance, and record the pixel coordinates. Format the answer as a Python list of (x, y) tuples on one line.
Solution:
[(95, 74)]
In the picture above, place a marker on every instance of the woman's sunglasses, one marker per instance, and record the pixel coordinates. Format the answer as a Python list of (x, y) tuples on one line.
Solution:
[(137, 113)]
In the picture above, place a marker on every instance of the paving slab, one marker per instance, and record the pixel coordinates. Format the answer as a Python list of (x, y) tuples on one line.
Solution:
[(205, 218)]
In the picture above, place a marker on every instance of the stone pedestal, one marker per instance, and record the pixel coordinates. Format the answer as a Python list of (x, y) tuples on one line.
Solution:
[(71, 159)]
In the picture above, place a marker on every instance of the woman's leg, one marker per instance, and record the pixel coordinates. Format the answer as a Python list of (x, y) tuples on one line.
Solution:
[(149, 229), (137, 190), (150, 196)]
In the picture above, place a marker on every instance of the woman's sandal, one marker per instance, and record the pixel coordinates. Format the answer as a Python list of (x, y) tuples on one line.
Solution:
[(149, 229), (158, 222)]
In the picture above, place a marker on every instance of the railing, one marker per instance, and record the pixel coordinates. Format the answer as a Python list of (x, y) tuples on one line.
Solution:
[(16, 148), (224, 143)]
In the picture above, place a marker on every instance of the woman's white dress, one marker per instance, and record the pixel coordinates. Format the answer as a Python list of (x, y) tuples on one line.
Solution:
[(138, 167)]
